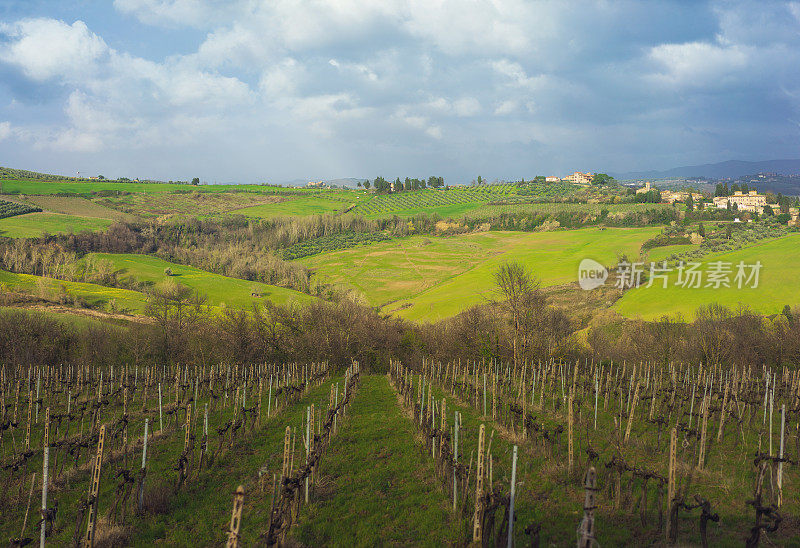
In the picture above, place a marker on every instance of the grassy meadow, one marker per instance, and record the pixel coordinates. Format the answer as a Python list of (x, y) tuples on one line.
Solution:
[(778, 283), (33, 225), (94, 295), (430, 278), (303, 205), (220, 290), (23, 186)]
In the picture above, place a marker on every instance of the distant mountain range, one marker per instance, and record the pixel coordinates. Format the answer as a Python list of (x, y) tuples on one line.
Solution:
[(731, 168)]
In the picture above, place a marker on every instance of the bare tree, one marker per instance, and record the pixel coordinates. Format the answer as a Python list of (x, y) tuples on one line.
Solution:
[(517, 287)]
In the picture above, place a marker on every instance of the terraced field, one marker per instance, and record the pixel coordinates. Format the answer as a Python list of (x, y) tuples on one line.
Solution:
[(426, 279), (779, 279), (194, 203)]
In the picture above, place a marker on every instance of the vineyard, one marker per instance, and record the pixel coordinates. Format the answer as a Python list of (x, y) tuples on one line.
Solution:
[(388, 204), (11, 209), (435, 453)]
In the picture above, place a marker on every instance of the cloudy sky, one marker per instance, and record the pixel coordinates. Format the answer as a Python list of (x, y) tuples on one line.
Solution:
[(273, 90)]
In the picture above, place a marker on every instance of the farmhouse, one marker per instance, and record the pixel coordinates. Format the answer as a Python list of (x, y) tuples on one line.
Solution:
[(752, 201), (579, 178), (670, 197), (552, 179)]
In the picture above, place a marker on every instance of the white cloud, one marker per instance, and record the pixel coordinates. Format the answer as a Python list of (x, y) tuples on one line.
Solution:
[(505, 107), (698, 63), (467, 106), (197, 13), (46, 48), (407, 80)]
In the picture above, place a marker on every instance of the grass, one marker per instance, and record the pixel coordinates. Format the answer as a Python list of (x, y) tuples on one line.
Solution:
[(778, 283), (96, 296), (552, 257), (33, 225), (387, 271), (376, 487), (23, 186), (220, 290), (430, 278), (304, 205)]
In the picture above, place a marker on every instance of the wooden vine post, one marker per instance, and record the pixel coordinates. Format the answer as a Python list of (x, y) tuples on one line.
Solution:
[(722, 413), (586, 529), (673, 443), (236, 518), (630, 414), (702, 452), (94, 489), (479, 473), (188, 438), (28, 428), (287, 438), (570, 447)]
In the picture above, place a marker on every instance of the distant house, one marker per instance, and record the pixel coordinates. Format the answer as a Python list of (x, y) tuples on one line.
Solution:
[(316, 184), (579, 178), (671, 197), (646, 188), (552, 179), (752, 201)]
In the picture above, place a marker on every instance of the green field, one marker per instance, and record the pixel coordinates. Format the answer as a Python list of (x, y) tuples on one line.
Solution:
[(778, 282), (32, 225), (96, 296), (304, 205), (220, 290), (19, 186), (426, 279)]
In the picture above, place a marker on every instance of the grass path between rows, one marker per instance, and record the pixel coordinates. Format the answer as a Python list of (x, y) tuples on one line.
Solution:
[(376, 487)]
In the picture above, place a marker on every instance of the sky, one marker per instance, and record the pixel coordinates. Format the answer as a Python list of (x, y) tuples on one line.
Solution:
[(277, 90)]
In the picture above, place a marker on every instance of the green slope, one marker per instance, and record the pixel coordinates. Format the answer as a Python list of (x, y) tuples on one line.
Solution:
[(779, 280), (219, 289), (553, 257), (32, 225)]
